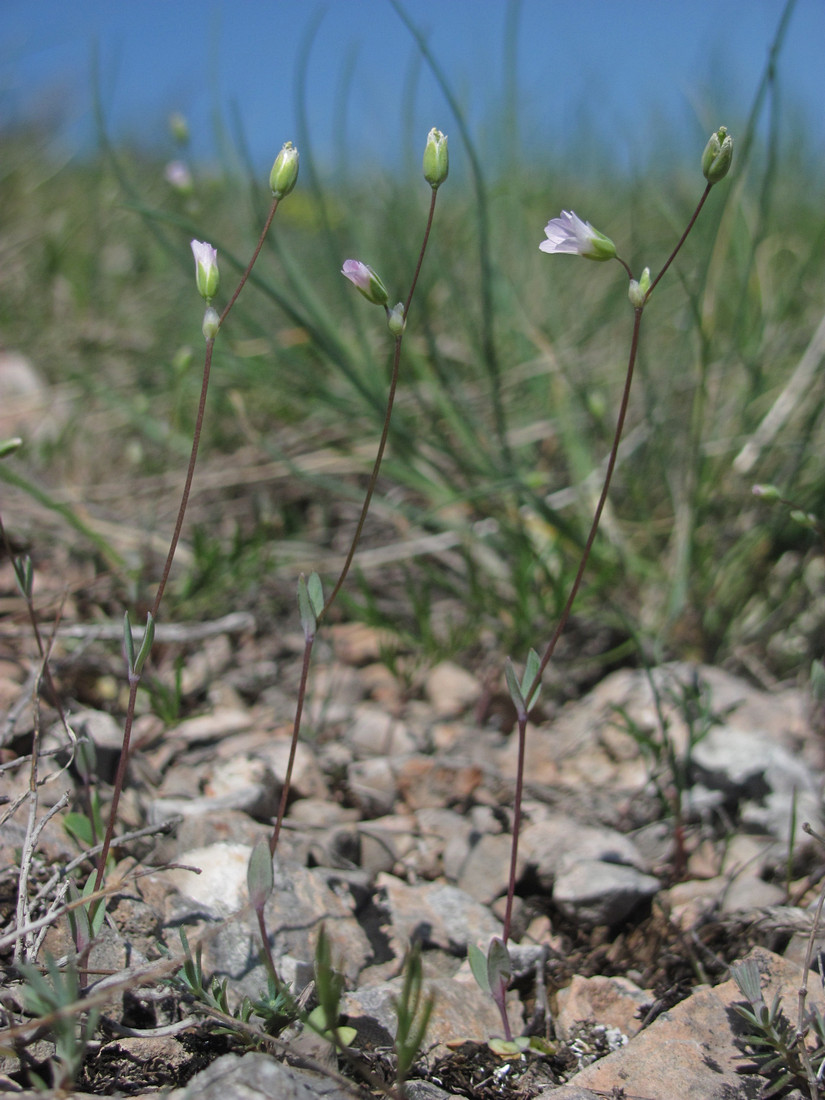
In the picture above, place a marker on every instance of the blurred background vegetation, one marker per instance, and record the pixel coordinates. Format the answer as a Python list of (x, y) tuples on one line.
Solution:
[(512, 368)]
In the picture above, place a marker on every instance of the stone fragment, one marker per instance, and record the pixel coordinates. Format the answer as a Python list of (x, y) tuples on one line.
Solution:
[(437, 915), (372, 784), (557, 844), (485, 872), (358, 643), (254, 1076), (300, 903), (242, 783), (220, 884), (594, 892), (307, 778), (430, 781), (613, 1002), (451, 689), (694, 1049), (461, 1010), (373, 732), (212, 727)]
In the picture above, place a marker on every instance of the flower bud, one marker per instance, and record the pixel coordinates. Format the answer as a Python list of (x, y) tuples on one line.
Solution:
[(211, 324), (396, 320), (364, 279), (284, 171), (717, 156), (637, 291), (766, 492), (436, 158), (179, 178), (207, 275), (179, 128)]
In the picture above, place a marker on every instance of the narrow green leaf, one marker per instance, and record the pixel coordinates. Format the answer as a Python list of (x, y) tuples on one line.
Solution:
[(9, 446), (530, 672), (478, 965), (498, 965), (309, 623), (316, 593), (128, 644), (260, 877), (146, 644), (514, 687)]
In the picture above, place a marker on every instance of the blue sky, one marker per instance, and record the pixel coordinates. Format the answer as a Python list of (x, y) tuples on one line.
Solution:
[(604, 69)]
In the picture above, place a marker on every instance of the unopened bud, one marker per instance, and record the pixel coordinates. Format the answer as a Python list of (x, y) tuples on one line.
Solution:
[(396, 319), (207, 275), (366, 281), (284, 172), (766, 492), (211, 324), (436, 158), (179, 128), (637, 291), (717, 156)]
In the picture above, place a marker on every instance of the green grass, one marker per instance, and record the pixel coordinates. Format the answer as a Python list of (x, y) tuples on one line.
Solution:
[(512, 368)]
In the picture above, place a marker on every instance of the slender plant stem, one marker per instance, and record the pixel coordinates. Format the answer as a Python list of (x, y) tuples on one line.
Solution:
[(310, 638), (134, 679), (682, 240), (296, 729), (193, 457), (594, 526), (396, 364), (531, 691), (511, 886)]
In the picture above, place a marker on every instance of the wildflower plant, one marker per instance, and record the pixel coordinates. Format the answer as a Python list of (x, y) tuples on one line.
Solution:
[(569, 234)]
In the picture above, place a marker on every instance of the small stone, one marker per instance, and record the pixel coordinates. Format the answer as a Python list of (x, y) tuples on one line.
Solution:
[(373, 786), (212, 727), (221, 883), (451, 690), (613, 1002), (437, 915), (258, 1075), (373, 732), (597, 893), (427, 781)]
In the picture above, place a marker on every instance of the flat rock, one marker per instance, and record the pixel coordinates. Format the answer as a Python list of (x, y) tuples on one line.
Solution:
[(254, 1076), (613, 1002), (694, 1049), (461, 1010)]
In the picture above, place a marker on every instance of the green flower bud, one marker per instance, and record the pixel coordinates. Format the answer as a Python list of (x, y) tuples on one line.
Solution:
[(766, 492), (637, 291), (179, 128), (284, 172), (436, 158), (717, 156), (396, 319), (211, 324)]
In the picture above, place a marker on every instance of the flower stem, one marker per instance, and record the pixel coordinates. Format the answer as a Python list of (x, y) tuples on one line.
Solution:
[(134, 679), (396, 364)]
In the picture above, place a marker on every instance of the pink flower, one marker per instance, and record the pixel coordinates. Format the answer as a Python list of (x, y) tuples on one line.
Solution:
[(364, 279), (569, 234)]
